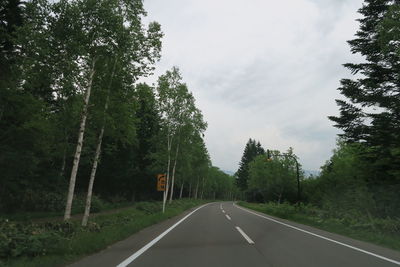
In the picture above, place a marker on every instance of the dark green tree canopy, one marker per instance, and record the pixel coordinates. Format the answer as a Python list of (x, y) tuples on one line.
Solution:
[(372, 110), (251, 150)]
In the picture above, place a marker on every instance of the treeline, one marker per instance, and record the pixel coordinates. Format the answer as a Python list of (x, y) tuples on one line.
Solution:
[(363, 175), (361, 181), (268, 175), (74, 119)]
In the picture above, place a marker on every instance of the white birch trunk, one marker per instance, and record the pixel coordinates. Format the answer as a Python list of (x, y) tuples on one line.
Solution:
[(190, 189), (173, 174), (62, 170), (91, 181), (180, 193), (169, 142), (97, 153), (197, 189), (202, 188), (77, 156)]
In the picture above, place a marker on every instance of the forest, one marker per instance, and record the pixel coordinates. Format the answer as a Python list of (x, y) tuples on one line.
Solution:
[(81, 131), (77, 125), (358, 187)]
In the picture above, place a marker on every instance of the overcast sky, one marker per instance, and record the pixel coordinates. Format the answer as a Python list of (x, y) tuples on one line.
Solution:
[(260, 69)]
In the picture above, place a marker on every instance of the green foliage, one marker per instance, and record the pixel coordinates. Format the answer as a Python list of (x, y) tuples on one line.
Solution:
[(41, 104), (273, 178), (57, 242), (376, 230), (31, 240), (251, 150), (51, 53), (370, 114), (348, 186), (220, 185), (148, 207)]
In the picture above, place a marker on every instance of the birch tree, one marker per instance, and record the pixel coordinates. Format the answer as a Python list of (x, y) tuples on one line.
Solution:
[(137, 49), (101, 37)]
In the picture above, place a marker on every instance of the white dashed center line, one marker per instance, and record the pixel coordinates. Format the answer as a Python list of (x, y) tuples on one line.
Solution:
[(244, 235)]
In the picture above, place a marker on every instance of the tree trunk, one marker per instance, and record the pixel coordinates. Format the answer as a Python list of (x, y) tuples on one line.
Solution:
[(279, 198), (180, 193), (77, 156), (197, 189), (202, 188), (190, 189), (173, 175), (92, 176), (62, 170), (169, 142), (97, 153)]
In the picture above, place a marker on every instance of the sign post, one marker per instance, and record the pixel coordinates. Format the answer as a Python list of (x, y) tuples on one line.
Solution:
[(161, 182)]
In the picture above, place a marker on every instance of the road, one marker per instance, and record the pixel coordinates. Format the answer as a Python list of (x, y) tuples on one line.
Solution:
[(223, 234)]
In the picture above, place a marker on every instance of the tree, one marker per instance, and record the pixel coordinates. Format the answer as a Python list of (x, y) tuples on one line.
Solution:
[(372, 110), (179, 118), (342, 187), (370, 114), (251, 150), (147, 147), (11, 18), (25, 124), (273, 179), (141, 50)]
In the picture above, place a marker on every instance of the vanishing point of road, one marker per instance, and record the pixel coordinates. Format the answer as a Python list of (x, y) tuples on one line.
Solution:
[(224, 234)]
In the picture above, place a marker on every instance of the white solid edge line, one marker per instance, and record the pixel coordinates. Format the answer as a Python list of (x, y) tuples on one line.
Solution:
[(244, 235), (326, 238), (227, 216), (155, 240)]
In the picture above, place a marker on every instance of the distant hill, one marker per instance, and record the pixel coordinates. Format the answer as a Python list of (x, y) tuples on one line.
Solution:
[(308, 173), (231, 173)]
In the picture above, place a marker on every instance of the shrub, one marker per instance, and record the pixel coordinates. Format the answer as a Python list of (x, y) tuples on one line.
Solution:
[(388, 225), (149, 207), (26, 239)]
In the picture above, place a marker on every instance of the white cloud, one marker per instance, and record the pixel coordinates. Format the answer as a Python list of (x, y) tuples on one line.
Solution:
[(261, 69)]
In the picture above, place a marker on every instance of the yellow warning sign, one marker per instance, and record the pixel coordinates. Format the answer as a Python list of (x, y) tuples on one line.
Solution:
[(161, 181)]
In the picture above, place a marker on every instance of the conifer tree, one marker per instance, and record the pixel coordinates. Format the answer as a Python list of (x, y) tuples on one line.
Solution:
[(372, 111), (370, 115), (251, 150)]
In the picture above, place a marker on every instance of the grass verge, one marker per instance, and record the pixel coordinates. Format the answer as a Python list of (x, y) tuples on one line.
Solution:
[(103, 230), (378, 234), (37, 216)]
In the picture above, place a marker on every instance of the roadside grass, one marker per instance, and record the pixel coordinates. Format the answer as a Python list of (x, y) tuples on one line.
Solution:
[(102, 231), (38, 215), (383, 232)]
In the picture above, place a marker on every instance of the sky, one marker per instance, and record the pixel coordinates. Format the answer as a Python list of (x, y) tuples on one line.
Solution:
[(261, 69)]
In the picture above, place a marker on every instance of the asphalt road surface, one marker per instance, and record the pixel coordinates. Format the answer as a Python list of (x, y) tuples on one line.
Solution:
[(223, 234)]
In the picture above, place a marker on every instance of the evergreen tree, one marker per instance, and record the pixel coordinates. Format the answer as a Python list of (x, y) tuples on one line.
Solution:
[(148, 127), (11, 17), (251, 150), (371, 114)]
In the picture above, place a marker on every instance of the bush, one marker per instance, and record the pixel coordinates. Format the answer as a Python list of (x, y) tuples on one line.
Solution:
[(50, 201), (284, 210), (388, 225), (149, 207), (97, 204), (26, 239)]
